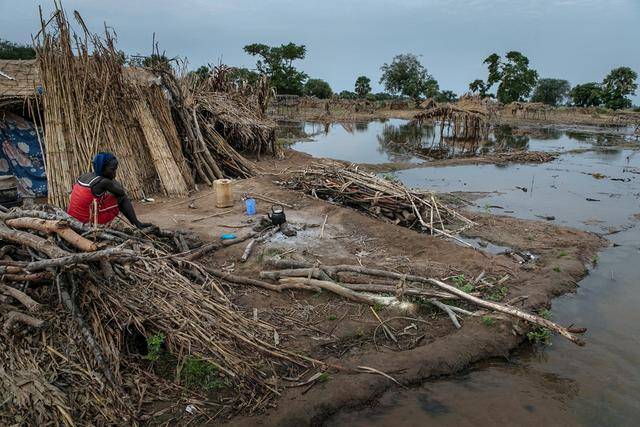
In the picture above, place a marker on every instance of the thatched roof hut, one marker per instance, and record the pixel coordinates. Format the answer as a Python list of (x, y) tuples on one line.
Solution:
[(240, 125), (19, 80)]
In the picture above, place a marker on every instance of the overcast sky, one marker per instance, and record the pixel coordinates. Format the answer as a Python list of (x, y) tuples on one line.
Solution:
[(579, 40)]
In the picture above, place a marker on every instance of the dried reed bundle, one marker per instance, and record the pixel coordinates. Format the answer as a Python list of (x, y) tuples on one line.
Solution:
[(90, 106)]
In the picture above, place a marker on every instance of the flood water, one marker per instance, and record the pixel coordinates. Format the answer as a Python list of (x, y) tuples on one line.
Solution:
[(396, 140), (563, 384)]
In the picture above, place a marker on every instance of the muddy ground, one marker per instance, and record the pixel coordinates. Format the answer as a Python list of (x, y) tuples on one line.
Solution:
[(334, 330)]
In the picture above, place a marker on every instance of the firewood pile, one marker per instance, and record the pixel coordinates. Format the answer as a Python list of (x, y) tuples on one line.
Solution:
[(78, 306), (381, 198)]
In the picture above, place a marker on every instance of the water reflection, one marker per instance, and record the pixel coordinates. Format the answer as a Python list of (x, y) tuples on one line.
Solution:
[(396, 140)]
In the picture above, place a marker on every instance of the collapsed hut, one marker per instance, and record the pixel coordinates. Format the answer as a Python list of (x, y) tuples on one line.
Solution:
[(469, 119)]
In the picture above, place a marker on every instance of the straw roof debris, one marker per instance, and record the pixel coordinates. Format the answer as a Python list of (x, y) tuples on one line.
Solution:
[(18, 80)]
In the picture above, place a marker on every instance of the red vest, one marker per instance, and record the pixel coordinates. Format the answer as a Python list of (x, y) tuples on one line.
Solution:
[(81, 204)]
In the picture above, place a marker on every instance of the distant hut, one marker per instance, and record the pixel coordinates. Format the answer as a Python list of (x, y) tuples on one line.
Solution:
[(469, 119)]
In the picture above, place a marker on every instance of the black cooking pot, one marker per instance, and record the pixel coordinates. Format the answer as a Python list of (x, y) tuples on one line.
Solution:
[(277, 215)]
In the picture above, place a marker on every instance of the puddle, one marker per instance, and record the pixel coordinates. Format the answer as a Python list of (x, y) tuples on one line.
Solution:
[(595, 190)]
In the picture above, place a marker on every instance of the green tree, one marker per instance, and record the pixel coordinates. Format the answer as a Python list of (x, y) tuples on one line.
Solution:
[(318, 88), (445, 96), (363, 86), (346, 94), (10, 50), (551, 91), (202, 72), (241, 74), (586, 95), (277, 63), (479, 87), (512, 74), (617, 86), (406, 75)]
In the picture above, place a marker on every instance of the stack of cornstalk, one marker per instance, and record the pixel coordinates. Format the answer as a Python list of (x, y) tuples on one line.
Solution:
[(76, 300), (381, 198), (90, 105)]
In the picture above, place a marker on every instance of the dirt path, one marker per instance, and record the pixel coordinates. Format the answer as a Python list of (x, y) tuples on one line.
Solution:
[(331, 329)]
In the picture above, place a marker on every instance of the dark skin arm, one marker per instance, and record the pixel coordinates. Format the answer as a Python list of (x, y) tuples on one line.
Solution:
[(124, 203)]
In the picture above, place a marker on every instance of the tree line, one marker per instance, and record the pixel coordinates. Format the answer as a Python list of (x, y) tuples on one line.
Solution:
[(511, 77)]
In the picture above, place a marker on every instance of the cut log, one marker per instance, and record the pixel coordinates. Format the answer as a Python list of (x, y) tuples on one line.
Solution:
[(61, 228), (31, 240), (349, 294), (80, 258)]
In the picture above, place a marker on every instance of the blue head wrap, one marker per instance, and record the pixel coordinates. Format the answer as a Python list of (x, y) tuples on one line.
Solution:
[(100, 161)]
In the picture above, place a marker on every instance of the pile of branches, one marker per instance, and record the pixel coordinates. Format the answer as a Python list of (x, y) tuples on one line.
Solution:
[(74, 301), (381, 198)]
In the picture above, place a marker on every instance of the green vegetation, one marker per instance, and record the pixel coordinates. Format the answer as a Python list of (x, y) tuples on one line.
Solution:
[(363, 86), (557, 269), (498, 294), (390, 176), (461, 282), (345, 94), (562, 254), (318, 88), (512, 74), (407, 76), (446, 96), (540, 334), (377, 307), (154, 346), (479, 87), (551, 91), (198, 374), (617, 86), (488, 321), (323, 378), (586, 95), (277, 63), (332, 317), (595, 260), (11, 50)]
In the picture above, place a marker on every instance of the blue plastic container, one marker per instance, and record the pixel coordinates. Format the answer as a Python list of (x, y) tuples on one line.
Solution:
[(251, 206)]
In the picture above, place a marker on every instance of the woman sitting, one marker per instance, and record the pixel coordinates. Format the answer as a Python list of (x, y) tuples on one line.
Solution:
[(98, 198)]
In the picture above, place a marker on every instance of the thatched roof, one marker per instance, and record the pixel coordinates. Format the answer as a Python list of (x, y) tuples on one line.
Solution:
[(18, 79), (234, 113)]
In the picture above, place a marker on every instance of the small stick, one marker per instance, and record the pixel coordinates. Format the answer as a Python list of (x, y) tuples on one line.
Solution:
[(270, 200), (323, 224), (211, 216), (386, 330), (447, 310)]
